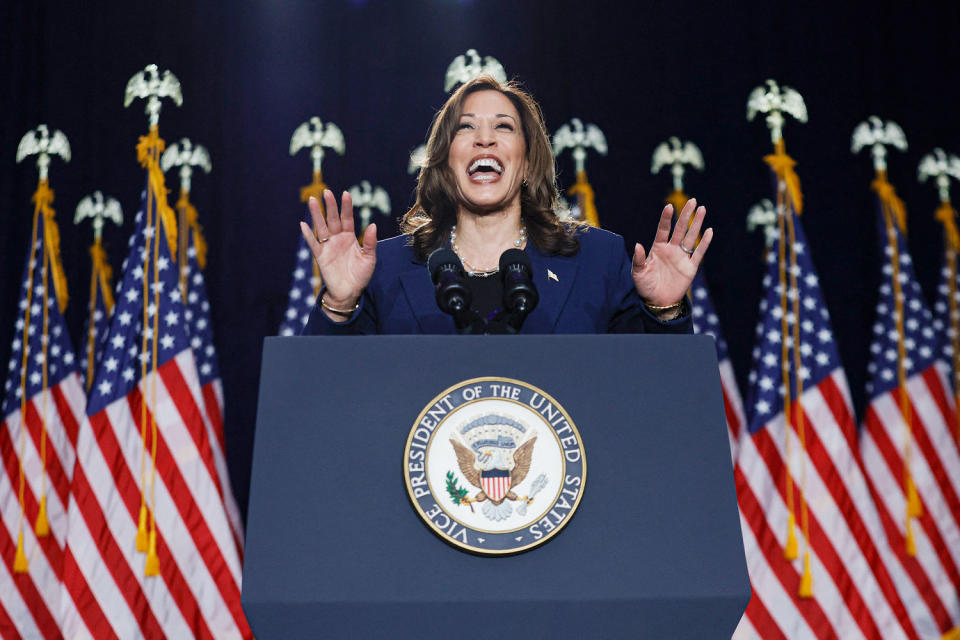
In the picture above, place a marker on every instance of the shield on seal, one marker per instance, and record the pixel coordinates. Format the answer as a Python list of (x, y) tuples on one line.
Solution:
[(495, 483)]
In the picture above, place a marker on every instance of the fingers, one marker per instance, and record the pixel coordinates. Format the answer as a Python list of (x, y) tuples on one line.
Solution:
[(311, 239), (663, 229), (639, 257), (702, 247), (333, 215), (346, 211), (368, 244), (680, 230), (319, 224), (690, 239)]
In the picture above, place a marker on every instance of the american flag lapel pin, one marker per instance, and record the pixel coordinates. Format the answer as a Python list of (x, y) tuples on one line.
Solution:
[(552, 276)]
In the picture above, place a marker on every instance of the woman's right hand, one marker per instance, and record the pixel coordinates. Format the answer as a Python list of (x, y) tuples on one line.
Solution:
[(345, 266)]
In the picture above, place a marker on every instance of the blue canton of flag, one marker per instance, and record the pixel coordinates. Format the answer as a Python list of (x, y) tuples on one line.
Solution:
[(705, 316), (705, 321), (61, 361), (302, 298), (943, 324), (818, 352), (94, 335), (197, 315), (120, 368), (920, 340)]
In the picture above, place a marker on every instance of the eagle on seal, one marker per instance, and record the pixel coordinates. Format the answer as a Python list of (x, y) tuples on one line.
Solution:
[(494, 482)]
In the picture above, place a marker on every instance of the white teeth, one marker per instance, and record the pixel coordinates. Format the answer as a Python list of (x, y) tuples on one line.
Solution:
[(485, 162)]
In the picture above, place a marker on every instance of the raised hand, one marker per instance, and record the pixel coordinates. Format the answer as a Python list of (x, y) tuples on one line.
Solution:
[(345, 266), (663, 276)]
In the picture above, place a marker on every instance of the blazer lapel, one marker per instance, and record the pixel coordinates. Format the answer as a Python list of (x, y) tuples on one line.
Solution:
[(420, 294), (553, 277)]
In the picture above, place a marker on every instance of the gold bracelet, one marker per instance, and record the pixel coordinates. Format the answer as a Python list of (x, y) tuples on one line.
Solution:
[(343, 312), (654, 307)]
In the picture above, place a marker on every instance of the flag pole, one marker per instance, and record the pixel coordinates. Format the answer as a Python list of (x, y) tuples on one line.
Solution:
[(941, 167), (98, 209), (578, 138), (775, 102), (186, 155), (160, 218), (43, 144), (316, 136), (877, 135)]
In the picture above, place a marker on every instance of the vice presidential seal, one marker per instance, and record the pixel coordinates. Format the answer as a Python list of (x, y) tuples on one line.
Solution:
[(494, 466)]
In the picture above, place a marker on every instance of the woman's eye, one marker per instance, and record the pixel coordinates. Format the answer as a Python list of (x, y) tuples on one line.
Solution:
[(506, 126), (464, 125)]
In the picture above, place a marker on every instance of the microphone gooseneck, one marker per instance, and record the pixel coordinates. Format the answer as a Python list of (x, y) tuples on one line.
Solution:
[(520, 295), (452, 293)]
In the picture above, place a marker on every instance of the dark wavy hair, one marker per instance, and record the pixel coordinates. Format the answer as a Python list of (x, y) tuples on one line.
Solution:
[(434, 213)]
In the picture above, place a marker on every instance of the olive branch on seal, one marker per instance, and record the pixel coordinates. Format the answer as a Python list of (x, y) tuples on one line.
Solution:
[(457, 494)]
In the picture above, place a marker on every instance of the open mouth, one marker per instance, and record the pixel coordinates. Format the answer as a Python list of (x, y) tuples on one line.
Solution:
[(485, 169)]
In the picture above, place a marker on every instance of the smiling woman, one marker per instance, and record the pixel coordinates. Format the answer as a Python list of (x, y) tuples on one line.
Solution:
[(488, 185)]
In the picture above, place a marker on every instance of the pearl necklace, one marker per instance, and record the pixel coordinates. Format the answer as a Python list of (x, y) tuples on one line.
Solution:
[(482, 273)]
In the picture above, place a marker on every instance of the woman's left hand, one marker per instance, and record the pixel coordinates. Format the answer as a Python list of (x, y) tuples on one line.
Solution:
[(663, 276)]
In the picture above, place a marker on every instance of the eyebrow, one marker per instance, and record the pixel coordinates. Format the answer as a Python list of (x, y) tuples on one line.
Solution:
[(498, 115)]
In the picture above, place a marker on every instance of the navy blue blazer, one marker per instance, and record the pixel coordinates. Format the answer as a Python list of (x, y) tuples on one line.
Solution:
[(590, 292)]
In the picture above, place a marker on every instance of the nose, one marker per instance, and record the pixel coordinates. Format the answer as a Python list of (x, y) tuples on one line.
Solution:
[(484, 137)]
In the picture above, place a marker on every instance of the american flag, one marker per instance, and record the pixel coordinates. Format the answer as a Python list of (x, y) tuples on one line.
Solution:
[(946, 308), (908, 378), (303, 292), (705, 321), (200, 329), (187, 584), (44, 387), (98, 314), (803, 486)]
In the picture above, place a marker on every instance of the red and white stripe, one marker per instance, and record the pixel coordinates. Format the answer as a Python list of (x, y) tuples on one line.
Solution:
[(934, 573), (861, 584), (212, 401), (30, 602), (732, 406), (198, 591)]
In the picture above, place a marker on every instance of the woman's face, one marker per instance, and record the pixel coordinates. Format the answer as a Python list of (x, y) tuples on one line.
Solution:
[(488, 152)]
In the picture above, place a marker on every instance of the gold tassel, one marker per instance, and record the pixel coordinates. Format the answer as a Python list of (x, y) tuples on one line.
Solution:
[(911, 544), (43, 197), (152, 566), (947, 216), (584, 194), (888, 196), (104, 274), (806, 578), (314, 190), (678, 198), (150, 161), (790, 550), (783, 165), (953, 634), (142, 539), (199, 242), (42, 526), (20, 559), (914, 506)]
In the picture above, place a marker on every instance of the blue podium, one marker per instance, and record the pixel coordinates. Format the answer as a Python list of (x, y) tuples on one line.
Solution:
[(336, 549)]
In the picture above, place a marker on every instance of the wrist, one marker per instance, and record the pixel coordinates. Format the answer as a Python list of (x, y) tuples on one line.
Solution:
[(665, 313), (339, 306)]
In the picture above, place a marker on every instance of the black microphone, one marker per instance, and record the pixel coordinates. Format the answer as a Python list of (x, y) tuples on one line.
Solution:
[(520, 295), (453, 294)]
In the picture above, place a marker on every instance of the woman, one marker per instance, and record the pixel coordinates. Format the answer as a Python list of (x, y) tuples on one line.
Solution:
[(489, 185)]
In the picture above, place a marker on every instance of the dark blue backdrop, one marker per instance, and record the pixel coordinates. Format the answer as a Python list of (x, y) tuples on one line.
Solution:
[(252, 71)]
